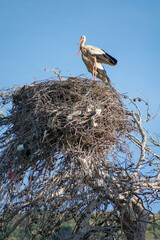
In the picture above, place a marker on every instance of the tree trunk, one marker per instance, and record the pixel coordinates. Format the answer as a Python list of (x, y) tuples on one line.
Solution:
[(136, 230)]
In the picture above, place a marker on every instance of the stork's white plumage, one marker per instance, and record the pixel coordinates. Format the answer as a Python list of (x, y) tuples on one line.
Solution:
[(96, 55)]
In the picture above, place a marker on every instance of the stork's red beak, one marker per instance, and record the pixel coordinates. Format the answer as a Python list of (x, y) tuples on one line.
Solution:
[(78, 44), (80, 41), (78, 52)]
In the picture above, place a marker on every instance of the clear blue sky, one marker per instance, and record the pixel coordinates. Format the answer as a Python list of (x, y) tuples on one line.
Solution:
[(44, 33)]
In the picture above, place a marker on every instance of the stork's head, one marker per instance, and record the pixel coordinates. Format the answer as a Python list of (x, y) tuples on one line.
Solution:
[(82, 40)]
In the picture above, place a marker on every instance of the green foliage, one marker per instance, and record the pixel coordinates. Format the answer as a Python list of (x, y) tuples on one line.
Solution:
[(64, 232), (153, 231)]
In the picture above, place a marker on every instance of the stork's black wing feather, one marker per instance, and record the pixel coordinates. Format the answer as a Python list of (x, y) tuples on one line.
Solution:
[(106, 57), (102, 72)]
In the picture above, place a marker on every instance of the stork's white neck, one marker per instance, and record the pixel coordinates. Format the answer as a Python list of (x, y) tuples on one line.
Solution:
[(82, 43)]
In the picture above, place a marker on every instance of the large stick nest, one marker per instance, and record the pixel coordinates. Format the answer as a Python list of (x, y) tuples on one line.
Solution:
[(58, 117)]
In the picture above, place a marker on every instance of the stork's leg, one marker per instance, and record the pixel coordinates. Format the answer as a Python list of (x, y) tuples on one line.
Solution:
[(93, 73), (95, 69)]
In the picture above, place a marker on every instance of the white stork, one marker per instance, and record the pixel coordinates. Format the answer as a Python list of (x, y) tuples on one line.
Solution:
[(96, 55)]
